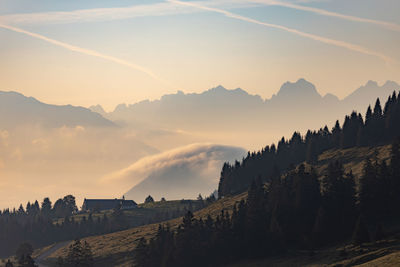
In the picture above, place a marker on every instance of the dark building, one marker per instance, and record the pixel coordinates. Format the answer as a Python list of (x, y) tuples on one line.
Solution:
[(107, 204)]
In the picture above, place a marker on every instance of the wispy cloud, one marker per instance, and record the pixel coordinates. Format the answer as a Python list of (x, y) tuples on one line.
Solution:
[(190, 154), (90, 15), (183, 172), (385, 24), (338, 43), (167, 8), (89, 52), (117, 13)]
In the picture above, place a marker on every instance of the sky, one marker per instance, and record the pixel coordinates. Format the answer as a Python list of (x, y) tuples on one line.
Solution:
[(111, 52), (124, 51)]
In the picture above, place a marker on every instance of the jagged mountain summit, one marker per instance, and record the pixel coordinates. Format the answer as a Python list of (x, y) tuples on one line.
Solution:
[(369, 92), (221, 109), (296, 90), (220, 97)]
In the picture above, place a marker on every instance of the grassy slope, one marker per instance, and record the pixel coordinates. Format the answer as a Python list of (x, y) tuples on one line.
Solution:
[(115, 249), (383, 253), (353, 158)]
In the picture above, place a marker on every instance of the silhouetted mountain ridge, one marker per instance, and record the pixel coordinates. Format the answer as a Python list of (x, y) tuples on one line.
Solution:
[(301, 88), (221, 109), (369, 92), (17, 110)]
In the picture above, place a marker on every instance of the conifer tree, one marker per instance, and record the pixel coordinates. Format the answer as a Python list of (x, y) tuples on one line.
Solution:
[(24, 250), (141, 253), (75, 254), (395, 176), (87, 255), (149, 199), (255, 224), (367, 194), (361, 234), (46, 206), (9, 263), (21, 210)]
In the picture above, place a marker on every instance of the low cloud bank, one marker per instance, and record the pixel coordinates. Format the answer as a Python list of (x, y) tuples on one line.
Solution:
[(179, 173)]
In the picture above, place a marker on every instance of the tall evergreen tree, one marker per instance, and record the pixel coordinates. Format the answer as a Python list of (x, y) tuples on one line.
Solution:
[(361, 234), (46, 206)]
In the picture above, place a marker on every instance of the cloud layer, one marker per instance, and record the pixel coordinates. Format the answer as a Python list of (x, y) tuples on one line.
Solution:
[(179, 173)]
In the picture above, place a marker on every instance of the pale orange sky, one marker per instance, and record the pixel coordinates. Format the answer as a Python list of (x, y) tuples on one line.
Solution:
[(124, 51), (194, 53)]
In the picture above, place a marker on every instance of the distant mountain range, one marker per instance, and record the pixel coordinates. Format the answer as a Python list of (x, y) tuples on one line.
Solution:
[(117, 139), (369, 92), (297, 105), (17, 110), (217, 109)]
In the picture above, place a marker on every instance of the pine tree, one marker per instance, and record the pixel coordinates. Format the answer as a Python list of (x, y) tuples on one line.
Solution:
[(24, 250), (255, 223), (28, 208), (141, 253), (367, 194), (379, 233), (395, 176), (377, 109), (360, 234), (21, 210), (46, 207), (368, 116), (70, 204), (87, 256), (60, 262), (75, 254), (336, 134), (28, 262), (149, 199)]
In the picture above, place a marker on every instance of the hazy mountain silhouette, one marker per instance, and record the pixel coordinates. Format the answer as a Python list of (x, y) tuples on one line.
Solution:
[(179, 173), (99, 109), (293, 92), (216, 108), (18, 110), (368, 93), (297, 105)]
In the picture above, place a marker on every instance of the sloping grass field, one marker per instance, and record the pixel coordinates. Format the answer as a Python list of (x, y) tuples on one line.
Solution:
[(116, 249)]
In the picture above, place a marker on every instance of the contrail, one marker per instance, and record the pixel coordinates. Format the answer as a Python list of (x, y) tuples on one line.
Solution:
[(164, 9), (388, 25), (349, 46), (115, 13), (89, 53)]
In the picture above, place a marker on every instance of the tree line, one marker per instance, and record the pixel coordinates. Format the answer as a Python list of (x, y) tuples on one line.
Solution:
[(380, 126), (45, 223), (34, 224), (298, 210)]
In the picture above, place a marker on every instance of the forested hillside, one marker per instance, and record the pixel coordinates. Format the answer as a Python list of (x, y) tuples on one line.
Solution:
[(379, 126), (44, 224), (293, 207)]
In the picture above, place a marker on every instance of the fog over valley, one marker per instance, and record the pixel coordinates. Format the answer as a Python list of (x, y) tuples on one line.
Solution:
[(178, 142)]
